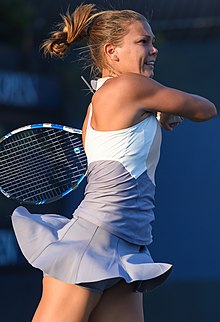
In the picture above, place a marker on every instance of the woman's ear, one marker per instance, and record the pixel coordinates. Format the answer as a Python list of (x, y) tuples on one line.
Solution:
[(111, 52)]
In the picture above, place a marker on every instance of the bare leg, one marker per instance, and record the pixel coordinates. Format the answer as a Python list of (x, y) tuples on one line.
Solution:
[(62, 302), (119, 304)]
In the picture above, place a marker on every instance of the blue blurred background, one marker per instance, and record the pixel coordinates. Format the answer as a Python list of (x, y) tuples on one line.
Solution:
[(187, 227)]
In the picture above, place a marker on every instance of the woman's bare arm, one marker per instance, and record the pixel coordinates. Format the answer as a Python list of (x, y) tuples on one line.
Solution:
[(153, 96)]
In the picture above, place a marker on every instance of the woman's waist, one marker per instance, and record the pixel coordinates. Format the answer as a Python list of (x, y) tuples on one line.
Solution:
[(131, 224)]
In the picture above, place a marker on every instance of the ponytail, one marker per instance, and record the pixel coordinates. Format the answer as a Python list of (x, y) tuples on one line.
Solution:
[(73, 29)]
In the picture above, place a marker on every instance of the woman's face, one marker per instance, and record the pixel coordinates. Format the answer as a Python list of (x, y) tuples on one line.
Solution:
[(137, 53)]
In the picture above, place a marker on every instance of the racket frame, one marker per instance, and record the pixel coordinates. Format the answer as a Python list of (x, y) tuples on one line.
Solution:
[(76, 151)]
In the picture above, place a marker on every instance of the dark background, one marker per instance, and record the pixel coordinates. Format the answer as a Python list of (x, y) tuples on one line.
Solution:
[(186, 233)]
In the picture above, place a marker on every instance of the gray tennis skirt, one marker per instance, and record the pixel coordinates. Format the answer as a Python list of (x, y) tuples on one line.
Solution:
[(77, 251)]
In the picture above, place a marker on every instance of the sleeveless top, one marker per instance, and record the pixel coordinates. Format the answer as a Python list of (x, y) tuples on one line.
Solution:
[(119, 195)]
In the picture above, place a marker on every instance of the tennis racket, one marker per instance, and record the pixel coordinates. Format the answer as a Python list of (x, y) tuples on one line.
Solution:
[(41, 163)]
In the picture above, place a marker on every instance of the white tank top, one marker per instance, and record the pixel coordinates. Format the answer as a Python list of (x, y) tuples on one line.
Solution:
[(135, 147)]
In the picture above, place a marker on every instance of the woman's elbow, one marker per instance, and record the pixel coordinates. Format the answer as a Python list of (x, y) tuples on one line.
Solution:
[(205, 114), (202, 109), (213, 111), (210, 112)]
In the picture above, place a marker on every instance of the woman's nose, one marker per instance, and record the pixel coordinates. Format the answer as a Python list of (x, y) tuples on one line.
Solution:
[(154, 51)]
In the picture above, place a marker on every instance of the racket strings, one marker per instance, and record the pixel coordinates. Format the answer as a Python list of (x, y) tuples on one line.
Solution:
[(39, 187), (49, 158), (33, 142), (41, 163), (67, 156)]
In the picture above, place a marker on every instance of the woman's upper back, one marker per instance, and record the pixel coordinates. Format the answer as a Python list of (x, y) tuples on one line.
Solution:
[(113, 109), (131, 144)]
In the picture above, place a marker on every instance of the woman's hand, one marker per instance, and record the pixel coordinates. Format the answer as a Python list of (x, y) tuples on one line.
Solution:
[(168, 121)]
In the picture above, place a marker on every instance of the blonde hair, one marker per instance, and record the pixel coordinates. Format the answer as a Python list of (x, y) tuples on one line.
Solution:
[(97, 27)]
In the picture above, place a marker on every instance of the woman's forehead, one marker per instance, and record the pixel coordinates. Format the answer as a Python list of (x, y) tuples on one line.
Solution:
[(140, 28)]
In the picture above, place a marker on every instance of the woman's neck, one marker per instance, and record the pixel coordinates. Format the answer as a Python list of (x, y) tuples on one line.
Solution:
[(108, 73)]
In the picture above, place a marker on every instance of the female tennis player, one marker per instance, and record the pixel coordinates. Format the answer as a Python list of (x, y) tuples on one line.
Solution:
[(96, 265)]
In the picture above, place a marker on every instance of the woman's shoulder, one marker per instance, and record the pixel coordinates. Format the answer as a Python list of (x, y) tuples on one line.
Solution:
[(124, 85), (122, 91), (128, 79)]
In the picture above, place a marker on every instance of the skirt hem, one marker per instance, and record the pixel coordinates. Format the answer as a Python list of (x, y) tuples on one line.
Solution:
[(78, 251)]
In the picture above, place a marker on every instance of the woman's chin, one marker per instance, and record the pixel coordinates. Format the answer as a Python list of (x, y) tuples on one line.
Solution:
[(148, 74)]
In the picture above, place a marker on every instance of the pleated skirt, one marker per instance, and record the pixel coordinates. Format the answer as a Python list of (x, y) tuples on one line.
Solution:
[(77, 251)]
